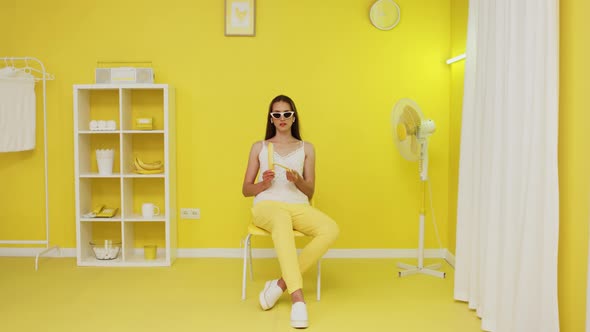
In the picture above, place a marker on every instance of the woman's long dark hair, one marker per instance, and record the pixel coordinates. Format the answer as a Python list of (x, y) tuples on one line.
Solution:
[(271, 130)]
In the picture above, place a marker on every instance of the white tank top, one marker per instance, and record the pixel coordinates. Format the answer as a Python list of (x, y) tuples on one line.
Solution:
[(281, 189)]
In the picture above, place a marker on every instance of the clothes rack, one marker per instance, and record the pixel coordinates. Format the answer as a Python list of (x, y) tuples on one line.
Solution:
[(36, 68)]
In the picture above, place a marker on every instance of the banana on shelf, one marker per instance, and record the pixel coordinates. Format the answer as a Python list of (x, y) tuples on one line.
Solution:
[(142, 167)]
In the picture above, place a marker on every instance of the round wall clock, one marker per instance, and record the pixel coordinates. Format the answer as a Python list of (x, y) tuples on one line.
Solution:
[(384, 14)]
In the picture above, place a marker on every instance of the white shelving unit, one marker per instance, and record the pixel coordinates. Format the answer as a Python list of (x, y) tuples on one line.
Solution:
[(124, 189)]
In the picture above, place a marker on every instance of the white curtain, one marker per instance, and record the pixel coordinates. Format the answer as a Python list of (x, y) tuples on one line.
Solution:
[(508, 200)]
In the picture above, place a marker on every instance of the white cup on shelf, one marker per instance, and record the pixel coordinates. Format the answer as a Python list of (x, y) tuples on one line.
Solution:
[(93, 125), (104, 159), (102, 124), (149, 210), (111, 125)]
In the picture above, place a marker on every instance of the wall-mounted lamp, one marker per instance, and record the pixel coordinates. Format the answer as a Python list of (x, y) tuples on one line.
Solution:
[(455, 59)]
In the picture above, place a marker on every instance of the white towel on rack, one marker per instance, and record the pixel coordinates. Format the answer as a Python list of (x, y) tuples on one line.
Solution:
[(17, 112)]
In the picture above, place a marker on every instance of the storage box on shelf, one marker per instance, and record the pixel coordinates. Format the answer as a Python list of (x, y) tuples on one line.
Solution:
[(143, 171)]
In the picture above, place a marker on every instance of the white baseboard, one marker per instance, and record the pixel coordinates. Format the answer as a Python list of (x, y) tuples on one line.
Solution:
[(32, 252), (332, 253), (256, 253)]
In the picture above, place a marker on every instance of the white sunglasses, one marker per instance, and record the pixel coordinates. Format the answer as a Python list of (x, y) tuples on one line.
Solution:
[(286, 115)]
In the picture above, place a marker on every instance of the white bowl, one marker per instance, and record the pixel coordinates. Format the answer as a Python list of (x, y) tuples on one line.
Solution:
[(105, 250)]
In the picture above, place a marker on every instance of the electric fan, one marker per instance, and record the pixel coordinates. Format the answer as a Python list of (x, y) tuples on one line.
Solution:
[(410, 133)]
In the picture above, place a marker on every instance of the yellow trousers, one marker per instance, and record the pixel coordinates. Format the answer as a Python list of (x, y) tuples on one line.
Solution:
[(280, 219)]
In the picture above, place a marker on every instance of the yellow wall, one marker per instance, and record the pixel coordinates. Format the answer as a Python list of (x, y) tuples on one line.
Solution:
[(574, 163), (459, 15), (574, 125), (344, 75)]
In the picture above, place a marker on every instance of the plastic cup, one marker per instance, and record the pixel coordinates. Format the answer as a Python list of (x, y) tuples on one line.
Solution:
[(149, 251), (104, 160)]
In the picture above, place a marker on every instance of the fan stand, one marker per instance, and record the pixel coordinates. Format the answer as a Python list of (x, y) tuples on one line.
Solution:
[(421, 269)]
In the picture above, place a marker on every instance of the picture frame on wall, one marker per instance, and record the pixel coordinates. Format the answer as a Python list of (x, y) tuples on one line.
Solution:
[(240, 17)]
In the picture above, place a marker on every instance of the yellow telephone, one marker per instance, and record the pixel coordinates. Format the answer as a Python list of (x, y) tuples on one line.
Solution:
[(101, 211)]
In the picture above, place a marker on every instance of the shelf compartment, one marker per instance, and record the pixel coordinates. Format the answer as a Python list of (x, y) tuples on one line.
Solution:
[(96, 104), (139, 234), (137, 191), (87, 146), (143, 103), (98, 231), (149, 147), (99, 191)]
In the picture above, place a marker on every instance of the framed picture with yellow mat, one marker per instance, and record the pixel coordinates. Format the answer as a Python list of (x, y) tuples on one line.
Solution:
[(240, 17)]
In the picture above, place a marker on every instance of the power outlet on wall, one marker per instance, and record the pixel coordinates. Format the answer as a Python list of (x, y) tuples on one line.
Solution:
[(190, 213)]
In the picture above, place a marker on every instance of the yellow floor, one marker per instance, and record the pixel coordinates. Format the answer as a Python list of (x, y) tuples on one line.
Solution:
[(204, 295)]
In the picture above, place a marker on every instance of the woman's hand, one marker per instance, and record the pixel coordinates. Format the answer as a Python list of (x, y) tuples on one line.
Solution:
[(267, 178), (293, 176)]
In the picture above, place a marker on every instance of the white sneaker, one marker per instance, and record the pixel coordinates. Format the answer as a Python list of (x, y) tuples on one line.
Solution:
[(299, 315), (270, 294)]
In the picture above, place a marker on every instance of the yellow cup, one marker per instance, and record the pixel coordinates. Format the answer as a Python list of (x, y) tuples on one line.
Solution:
[(149, 251)]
